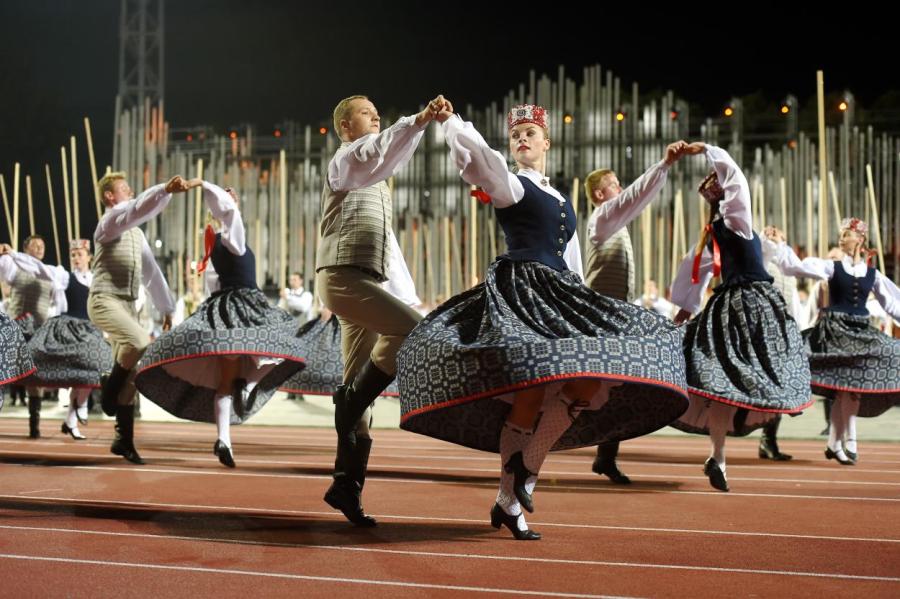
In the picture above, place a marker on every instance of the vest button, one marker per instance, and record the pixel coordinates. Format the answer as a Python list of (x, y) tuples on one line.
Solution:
[(562, 214), (562, 227), (558, 253), (561, 240)]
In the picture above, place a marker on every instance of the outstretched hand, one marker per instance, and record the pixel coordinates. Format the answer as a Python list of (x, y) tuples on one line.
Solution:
[(675, 151), (176, 184)]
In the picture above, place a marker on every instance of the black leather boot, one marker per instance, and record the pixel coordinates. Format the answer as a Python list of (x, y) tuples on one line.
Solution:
[(123, 444), (110, 386), (349, 406), (605, 463), (345, 492), (34, 417), (768, 443)]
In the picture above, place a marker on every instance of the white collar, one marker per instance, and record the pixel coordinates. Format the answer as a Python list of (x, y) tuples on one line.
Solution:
[(542, 182), (857, 270)]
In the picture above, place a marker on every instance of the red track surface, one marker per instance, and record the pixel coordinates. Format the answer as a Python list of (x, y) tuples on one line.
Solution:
[(76, 521)]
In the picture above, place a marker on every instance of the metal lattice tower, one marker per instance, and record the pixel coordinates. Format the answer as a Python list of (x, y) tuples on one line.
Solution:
[(141, 52)]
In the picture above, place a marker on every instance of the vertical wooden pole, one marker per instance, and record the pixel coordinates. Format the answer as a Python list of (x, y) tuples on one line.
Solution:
[(9, 219), (53, 214), (90, 145), (823, 166), (15, 240), (65, 176), (76, 211)]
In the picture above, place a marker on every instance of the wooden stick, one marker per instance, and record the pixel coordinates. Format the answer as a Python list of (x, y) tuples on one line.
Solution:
[(575, 190), (823, 165), (53, 214), (282, 179), (76, 211), (9, 220), (90, 145), (15, 241), (677, 220), (198, 210), (30, 204), (763, 221), (258, 243), (65, 176), (783, 188), (873, 205), (809, 217), (834, 202), (447, 269)]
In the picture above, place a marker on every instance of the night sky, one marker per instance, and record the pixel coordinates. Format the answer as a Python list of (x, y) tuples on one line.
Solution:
[(230, 62)]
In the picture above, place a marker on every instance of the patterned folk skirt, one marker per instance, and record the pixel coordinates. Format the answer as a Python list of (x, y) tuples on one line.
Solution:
[(744, 350), (324, 369), (529, 325), (180, 370), (69, 352), (15, 359), (846, 354)]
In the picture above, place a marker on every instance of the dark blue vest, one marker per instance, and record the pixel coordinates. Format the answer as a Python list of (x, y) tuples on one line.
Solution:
[(233, 271), (77, 298), (847, 293), (538, 227), (742, 260)]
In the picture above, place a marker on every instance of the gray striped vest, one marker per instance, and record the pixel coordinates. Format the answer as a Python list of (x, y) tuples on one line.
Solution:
[(117, 265), (610, 267), (354, 229), (29, 295)]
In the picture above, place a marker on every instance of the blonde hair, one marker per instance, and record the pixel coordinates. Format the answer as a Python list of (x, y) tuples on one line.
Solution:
[(594, 179), (106, 181), (342, 112)]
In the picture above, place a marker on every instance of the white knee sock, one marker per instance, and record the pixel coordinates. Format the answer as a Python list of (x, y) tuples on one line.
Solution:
[(81, 402), (719, 421), (71, 416), (838, 424), (223, 417), (851, 409)]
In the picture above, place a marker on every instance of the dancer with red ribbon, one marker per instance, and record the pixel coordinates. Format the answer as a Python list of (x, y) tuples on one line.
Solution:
[(744, 353), (229, 357)]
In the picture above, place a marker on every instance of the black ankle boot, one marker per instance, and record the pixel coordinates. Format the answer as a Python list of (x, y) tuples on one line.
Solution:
[(350, 405), (768, 450), (123, 444), (768, 443), (344, 494), (605, 463), (110, 386), (516, 466), (34, 417), (501, 518)]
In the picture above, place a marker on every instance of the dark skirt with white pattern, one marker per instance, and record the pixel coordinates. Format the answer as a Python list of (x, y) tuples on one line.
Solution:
[(745, 350), (15, 359), (324, 369), (180, 370), (528, 325), (847, 354), (69, 352)]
